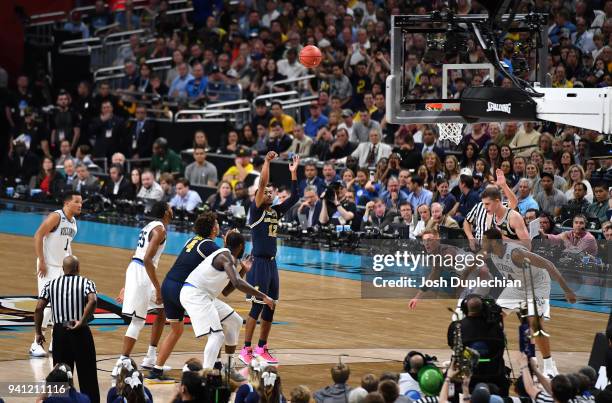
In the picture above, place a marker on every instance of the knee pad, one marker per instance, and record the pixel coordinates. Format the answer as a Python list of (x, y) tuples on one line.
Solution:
[(133, 330), (255, 310), (268, 314), (231, 328)]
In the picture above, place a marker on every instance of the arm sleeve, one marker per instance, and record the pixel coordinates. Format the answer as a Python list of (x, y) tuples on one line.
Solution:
[(90, 287), (287, 204)]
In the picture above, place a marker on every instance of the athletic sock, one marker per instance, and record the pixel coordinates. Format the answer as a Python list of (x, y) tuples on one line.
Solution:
[(548, 362), (261, 343), (124, 357), (247, 344), (152, 351)]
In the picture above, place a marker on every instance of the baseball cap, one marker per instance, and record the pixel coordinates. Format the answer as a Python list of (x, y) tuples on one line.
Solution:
[(346, 113), (430, 380), (466, 171), (481, 393), (243, 152), (323, 43), (23, 139)]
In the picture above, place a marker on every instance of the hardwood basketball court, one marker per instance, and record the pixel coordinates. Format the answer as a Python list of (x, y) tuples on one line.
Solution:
[(319, 318)]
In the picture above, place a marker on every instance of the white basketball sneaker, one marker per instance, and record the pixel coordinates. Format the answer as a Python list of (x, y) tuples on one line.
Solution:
[(550, 369), (148, 362), (37, 350)]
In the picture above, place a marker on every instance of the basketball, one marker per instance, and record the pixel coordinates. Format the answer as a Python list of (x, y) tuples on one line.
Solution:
[(310, 56)]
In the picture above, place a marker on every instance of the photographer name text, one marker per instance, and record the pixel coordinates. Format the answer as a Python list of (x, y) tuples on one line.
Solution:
[(408, 282)]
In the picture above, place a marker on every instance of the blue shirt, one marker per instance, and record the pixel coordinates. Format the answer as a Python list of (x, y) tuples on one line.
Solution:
[(73, 397), (113, 397), (386, 196), (467, 202), (193, 253), (189, 202), (448, 202), (180, 85), (363, 196), (312, 126), (194, 89), (264, 224), (317, 181), (424, 197), (526, 204)]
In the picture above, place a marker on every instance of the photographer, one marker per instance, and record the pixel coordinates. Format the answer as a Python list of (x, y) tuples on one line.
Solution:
[(336, 207), (482, 330)]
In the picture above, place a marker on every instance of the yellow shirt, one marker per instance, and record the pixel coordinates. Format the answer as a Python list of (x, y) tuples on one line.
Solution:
[(357, 116), (287, 122), (232, 174)]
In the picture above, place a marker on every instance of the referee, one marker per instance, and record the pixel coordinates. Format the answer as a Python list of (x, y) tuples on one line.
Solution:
[(73, 301)]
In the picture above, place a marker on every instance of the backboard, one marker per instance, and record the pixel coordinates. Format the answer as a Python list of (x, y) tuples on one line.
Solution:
[(435, 56)]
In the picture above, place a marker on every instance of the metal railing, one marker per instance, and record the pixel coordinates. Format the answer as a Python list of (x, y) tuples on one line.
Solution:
[(114, 74), (39, 31)]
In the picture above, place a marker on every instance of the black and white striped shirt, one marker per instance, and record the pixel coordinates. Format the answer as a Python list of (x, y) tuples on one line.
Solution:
[(478, 218), (68, 297)]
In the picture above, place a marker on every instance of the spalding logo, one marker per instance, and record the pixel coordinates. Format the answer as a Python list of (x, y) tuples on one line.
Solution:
[(493, 107)]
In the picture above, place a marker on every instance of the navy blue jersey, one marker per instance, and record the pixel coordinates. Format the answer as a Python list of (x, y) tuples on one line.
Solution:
[(193, 253), (264, 224)]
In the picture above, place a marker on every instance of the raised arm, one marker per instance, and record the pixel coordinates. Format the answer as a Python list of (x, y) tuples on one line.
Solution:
[(50, 223), (501, 183), (264, 178)]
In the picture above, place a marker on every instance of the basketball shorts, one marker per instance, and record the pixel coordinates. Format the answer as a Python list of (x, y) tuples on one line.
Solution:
[(139, 293), (171, 294), (513, 298), (206, 312), (53, 272), (264, 277)]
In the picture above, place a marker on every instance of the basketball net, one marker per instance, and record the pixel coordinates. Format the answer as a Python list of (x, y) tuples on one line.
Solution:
[(447, 131)]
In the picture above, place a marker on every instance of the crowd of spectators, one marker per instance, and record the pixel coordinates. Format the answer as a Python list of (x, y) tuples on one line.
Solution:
[(378, 167)]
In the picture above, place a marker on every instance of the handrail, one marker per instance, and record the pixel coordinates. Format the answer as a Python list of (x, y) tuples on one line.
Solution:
[(47, 15), (127, 34), (79, 41), (82, 48), (105, 28), (276, 95), (294, 80), (228, 103)]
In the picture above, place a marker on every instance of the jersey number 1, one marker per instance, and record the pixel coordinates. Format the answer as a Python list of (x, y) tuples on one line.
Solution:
[(66, 247)]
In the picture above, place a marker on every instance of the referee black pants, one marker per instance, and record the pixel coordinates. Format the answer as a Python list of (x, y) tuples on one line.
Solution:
[(77, 347)]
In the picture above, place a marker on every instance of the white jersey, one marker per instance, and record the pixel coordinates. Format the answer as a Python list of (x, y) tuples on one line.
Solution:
[(508, 269), (57, 244), (207, 278), (143, 243)]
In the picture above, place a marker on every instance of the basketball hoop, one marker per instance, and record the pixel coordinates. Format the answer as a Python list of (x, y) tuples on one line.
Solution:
[(450, 131)]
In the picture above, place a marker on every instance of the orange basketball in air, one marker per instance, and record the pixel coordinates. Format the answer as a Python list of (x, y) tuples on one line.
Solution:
[(310, 56)]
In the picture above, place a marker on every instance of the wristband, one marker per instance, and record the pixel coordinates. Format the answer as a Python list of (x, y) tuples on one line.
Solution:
[(467, 398)]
